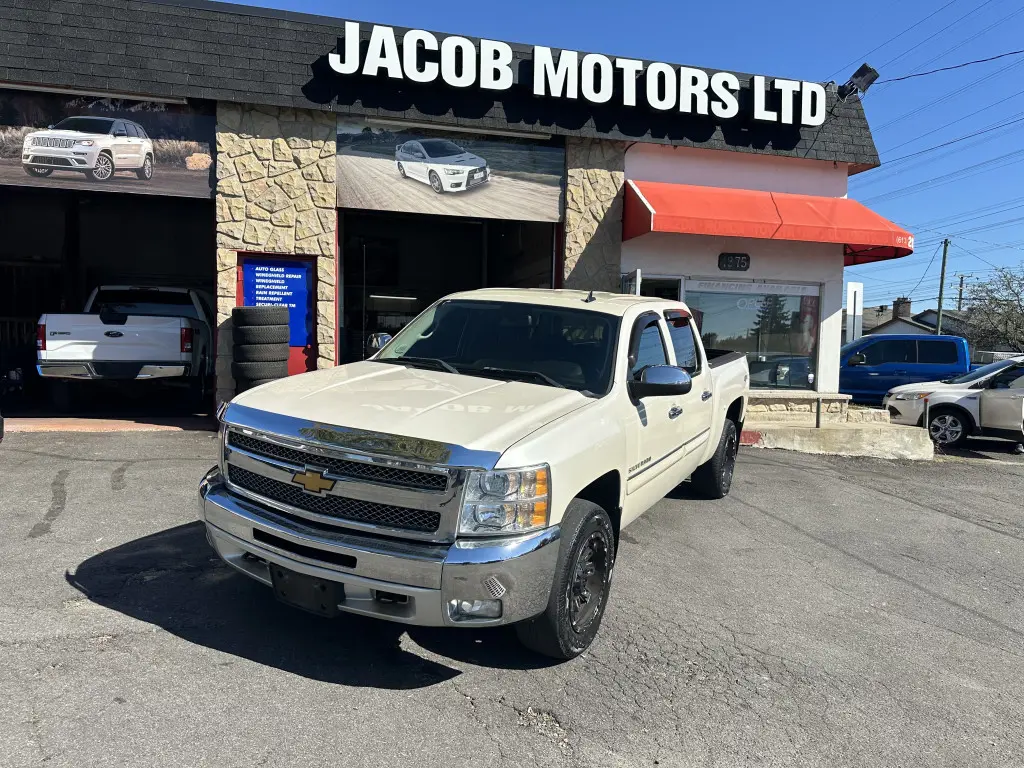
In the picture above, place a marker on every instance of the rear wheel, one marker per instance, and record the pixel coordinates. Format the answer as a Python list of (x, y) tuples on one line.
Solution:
[(947, 427), (713, 478), (39, 173), (581, 587), (145, 173), (104, 168)]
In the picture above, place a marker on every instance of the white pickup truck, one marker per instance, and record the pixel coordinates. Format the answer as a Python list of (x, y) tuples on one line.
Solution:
[(479, 468), (130, 332)]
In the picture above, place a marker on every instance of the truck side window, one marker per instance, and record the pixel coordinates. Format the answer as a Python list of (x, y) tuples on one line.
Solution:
[(938, 352), (681, 334), (891, 351), (650, 347)]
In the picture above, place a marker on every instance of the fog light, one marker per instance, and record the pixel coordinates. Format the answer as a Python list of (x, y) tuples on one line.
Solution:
[(460, 610)]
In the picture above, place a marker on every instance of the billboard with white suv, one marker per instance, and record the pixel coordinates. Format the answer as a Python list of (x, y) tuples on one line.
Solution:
[(103, 143)]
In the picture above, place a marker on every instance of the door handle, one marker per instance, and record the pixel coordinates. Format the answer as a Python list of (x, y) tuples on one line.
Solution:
[(705, 396), (675, 411)]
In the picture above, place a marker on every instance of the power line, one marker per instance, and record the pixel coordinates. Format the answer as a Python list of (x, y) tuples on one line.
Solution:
[(954, 66), (891, 39)]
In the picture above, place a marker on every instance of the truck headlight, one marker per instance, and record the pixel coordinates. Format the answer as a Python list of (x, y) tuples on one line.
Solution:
[(453, 171), (911, 395), (506, 501)]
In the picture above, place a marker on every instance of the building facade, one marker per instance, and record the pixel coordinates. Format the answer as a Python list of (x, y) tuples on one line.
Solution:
[(359, 172)]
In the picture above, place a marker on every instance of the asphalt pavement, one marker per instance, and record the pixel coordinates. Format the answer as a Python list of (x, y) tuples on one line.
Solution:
[(830, 612)]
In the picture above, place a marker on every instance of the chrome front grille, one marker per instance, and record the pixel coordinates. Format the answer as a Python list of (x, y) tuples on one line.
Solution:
[(46, 141), (338, 507), (358, 470)]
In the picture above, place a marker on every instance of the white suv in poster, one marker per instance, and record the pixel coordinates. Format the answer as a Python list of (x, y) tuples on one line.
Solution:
[(442, 164), (99, 147)]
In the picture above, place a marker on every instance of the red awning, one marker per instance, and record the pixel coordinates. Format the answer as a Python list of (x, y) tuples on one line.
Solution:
[(652, 206)]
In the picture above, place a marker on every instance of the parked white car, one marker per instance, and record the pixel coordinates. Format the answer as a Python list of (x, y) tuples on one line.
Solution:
[(99, 147), (445, 166), (986, 402)]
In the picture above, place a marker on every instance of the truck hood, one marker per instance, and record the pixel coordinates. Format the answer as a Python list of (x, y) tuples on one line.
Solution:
[(475, 413)]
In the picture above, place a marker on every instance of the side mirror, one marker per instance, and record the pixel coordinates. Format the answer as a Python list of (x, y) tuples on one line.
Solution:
[(376, 342), (660, 381), (858, 359)]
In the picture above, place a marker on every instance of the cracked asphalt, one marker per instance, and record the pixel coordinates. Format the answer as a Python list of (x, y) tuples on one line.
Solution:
[(830, 612)]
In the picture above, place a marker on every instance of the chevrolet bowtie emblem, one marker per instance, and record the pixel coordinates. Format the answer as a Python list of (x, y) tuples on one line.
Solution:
[(313, 481)]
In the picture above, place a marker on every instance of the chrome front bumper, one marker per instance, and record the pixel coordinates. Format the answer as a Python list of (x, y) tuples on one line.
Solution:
[(86, 370), (426, 577)]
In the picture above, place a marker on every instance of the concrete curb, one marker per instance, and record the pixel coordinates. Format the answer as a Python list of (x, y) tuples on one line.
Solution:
[(880, 441)]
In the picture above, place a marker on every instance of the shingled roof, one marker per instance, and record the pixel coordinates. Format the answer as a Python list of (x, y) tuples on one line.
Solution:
[(217, 51)]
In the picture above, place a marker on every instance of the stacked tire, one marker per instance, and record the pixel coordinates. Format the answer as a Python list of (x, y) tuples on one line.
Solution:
[(260, 345)]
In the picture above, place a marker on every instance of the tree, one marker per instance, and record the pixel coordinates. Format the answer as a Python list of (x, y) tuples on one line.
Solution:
[(996, 310)]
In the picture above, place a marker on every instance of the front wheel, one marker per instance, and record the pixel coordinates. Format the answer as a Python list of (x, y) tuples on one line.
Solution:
[(145, 173), (104, 168), (947, 428), (580, 591), (37, 172), (713, 478), (435, 183)]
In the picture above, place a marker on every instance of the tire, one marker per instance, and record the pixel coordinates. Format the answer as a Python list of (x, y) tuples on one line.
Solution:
[(245, 385), (569, 624), (259, 316), (435, 183), (948, 427), (36, 172), (104, 170), (713, 478), (260, 334), (260, 353), (254, 371), (145, 173), (401, 171)]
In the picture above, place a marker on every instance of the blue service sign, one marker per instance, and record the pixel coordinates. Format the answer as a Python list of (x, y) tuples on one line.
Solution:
[(270, 283)]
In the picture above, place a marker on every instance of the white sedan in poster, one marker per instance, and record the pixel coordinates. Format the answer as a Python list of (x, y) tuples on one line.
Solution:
[(442, 164)]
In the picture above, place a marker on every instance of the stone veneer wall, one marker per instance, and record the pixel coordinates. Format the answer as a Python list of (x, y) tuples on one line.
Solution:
[(276, 171), (595, 171)]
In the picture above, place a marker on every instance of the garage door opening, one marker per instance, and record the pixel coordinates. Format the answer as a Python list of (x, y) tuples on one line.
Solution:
[(395, 265), (59, 245)]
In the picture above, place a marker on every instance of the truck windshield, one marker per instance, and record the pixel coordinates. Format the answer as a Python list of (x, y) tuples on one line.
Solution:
[(550, 346), (141, 302)]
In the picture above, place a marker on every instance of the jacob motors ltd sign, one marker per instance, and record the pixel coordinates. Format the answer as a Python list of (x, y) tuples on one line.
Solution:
[(420, 57)]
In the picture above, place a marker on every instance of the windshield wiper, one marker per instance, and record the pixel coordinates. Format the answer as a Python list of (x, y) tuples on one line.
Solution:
[(514, 373), (421, 362)]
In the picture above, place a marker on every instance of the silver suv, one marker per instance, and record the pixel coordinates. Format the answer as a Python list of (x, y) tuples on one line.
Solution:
[(96, 146)]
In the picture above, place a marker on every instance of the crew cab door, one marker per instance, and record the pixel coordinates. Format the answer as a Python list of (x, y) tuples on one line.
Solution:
[(698, 405), (654, 467), (1002, 403)]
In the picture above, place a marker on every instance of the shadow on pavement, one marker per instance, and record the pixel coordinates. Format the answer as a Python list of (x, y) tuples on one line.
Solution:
[(175, 580)]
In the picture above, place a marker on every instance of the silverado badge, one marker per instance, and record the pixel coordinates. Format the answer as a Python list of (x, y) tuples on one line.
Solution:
[(313, 481)]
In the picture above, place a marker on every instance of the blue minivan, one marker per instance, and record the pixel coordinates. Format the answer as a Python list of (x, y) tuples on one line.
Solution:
[(872, 365)]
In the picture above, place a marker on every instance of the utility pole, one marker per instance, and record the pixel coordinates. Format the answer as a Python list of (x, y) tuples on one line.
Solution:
[(942, 285)]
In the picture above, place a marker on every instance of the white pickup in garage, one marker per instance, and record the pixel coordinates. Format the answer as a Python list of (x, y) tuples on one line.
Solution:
[(129, 332)]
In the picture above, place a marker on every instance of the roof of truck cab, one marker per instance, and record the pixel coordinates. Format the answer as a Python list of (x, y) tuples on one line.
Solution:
[(609, 303)]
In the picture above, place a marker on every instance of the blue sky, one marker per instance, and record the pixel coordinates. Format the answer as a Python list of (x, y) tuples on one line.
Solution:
[(971, 190)]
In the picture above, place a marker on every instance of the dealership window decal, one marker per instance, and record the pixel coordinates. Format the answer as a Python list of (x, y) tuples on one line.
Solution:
[(568, 75)]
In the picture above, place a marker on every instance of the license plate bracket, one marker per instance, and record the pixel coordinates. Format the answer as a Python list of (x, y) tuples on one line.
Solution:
[(309, 593)]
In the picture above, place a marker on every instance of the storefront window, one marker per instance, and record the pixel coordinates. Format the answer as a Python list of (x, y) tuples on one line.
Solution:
[(777, 331)]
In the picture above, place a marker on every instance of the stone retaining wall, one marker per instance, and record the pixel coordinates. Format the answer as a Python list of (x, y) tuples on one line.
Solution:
[(276, 171)]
